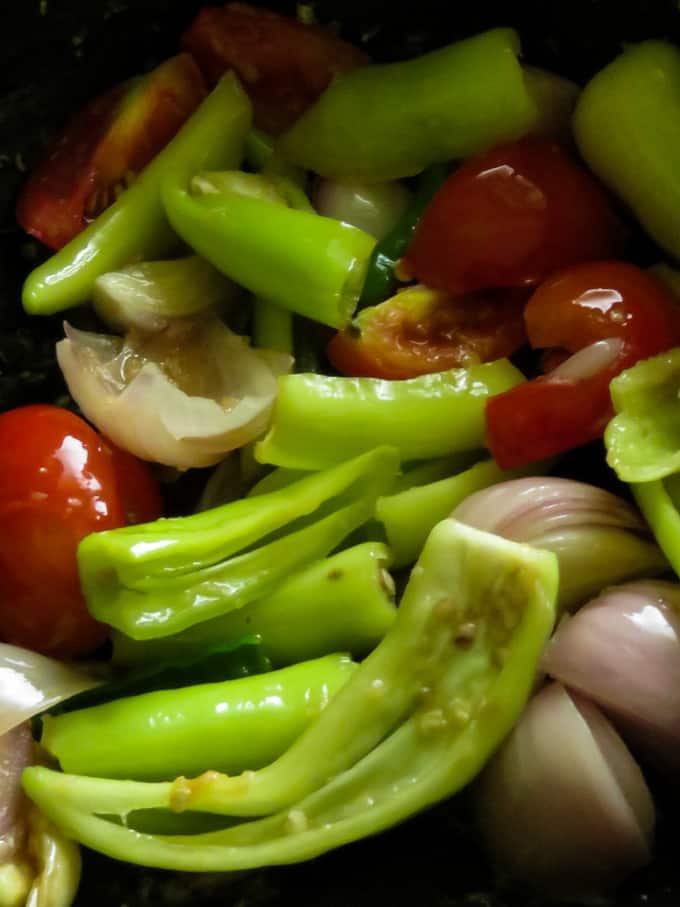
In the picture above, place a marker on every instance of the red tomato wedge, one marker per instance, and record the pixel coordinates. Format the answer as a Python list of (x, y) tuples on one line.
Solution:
[(420, 331), (511, 217), (572, 311), (103, 148), (59, 481), (283, 64)]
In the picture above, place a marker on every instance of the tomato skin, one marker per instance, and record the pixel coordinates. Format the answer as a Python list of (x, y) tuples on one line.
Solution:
[(510, 217), (283, 64), (103, 147), (420, 331), (59, 481), (570, 311)]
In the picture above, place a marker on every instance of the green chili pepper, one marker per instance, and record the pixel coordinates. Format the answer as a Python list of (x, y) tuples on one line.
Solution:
[(231, 726), (659, 502), (306, 263), (261, 156), (410, 515), (340, 604), (626, 128), (272, 327), (160, 578), (384, 122), (643, 439), (320, 420), (135, 226), (380, 281), (414, 724)]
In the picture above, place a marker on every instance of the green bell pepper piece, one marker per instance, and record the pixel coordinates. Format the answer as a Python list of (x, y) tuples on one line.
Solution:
[(343, 603), (306, 263), (319, 420), (415, 723), (159, 578), (387, 121), (627, 127), (135, 226), (643, 438), (232, 726)]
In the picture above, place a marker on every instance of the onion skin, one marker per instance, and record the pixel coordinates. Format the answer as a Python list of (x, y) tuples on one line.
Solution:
[(563, 806), (374, 208), (16, 752), (622, 650)]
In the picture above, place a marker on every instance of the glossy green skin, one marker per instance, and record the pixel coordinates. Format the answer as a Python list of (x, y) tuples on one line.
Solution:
[(415, 723), (314, 265), (230, 726), (320, 420), (627, 127), (659, 502), (159, 578), (389, 121), (135, 226), (643, 438), (340, 604)]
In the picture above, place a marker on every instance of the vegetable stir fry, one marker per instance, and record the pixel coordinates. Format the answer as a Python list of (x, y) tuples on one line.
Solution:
[(372, 308)]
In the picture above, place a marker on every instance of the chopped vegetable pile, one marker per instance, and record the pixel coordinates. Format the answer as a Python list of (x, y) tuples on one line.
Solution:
[(373, 309)]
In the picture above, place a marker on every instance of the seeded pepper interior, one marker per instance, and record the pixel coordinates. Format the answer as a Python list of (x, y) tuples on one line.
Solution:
[(374, 309)]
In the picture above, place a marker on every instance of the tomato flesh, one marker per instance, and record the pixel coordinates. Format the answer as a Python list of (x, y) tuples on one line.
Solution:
[(59, 481), (283, 64), (570, 311), (103, 148), (511, 217), (420, 331)]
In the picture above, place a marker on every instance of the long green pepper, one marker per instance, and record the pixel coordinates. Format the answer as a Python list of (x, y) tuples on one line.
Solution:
[(160, 578), (320, 420), (135, 226), (416, 722), (343, 603), (233, 726)]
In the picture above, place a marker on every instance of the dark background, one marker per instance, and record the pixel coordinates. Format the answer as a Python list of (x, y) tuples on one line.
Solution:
[(56, 54)]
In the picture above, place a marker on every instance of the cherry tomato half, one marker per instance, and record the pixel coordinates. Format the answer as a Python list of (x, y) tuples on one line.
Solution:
[(59, 481), (104, 147), (283, 64), (511, 217), (571, 311), (420, 331)]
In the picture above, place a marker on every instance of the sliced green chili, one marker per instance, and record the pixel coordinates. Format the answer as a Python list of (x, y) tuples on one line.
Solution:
[(659, 502), (343, 603), (388, 121), (231, 726), (135, 226), (260, 155), (380, 280), (319, 420), (272, 327), (627, 127), (306, 263), (160, 578), (415, 723)]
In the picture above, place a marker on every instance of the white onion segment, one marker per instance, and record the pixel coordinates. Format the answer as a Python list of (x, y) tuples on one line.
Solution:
[(31, 683), (622, 650), (183, 399), (374, 208), (563, 806)]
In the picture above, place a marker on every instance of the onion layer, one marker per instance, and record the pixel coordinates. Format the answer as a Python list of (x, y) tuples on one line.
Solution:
[(372, 207), (563, 806), (623, 651), (183, 397), (31, 683)]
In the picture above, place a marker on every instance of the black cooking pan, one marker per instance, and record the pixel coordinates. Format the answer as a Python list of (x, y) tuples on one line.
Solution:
[(56, 54)]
